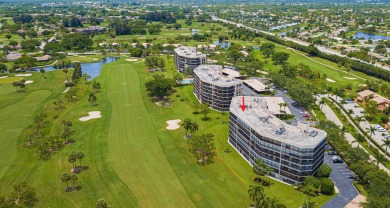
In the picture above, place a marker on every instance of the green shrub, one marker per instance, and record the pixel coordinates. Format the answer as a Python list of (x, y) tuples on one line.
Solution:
[(327, 186), (324, 171)]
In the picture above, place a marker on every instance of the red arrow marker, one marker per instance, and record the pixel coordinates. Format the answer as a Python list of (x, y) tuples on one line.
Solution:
[(243, 104)]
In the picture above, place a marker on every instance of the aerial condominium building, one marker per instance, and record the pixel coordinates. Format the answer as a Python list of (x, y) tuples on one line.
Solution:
[(212, 87), (187, 58), (293, 152)]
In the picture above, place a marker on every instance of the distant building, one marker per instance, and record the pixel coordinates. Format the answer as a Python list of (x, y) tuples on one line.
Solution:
[(43, 58), (292, 152), (187, 58), (368, 95), (13, 56), (215, 89), (257, 86), (91, 30)]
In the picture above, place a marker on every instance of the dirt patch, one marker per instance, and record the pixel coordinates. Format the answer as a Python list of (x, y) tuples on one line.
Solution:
[(91, 115), (173, 124)]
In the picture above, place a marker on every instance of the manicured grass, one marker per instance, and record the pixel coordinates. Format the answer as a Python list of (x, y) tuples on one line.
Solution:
[(86, 58), (132, 159)]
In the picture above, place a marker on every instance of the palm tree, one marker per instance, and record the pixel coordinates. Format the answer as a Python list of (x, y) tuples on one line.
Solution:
[(370, 131), (359, 139), (386, 143), (284, 107), (74, 179), (321, 103), (187, 125), (194, 127), (280, 107), (257, 167), (359, 119), (72, 158), (65, 177), (92, 98), (379, 158), (256, 193), (80, 155), (66, 73)]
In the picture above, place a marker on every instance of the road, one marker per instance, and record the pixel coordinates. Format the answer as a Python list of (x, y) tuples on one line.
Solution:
[(343, 179), (320, 48)]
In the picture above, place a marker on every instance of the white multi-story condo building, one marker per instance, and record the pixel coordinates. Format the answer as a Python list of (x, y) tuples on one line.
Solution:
[(187, 58), (215, 89), (293, 152)]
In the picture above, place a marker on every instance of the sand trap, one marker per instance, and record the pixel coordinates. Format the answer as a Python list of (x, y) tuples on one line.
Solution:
[(91, 115), (95, 59), (351, 78), (75, 61), (66, 90), (82, 56), (3, 77), (133, 60), (330, 80), (23, 75), (173, 124), (363, 85), (28, 82)]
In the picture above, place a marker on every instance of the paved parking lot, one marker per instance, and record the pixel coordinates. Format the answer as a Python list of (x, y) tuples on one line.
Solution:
[(297, 112), (343, 179)]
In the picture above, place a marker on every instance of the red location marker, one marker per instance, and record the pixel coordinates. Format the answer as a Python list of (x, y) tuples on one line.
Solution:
[(243, 104)]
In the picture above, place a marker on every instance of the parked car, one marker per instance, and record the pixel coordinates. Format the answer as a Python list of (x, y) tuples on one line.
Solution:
[(362, 111), (332, 153), (337, 159), (306, 115)]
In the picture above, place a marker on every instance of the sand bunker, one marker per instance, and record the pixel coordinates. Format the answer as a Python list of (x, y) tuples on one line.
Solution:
[(362, 85), (82, 56), (95, 59), (173, 124), (28, 82), (66, 90), (23, 75), (330, 80), (91, 115), (351, 78), (3, 77), (133, 60)]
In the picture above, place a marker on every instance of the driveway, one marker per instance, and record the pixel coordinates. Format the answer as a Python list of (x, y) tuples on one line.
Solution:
[(343, 179)]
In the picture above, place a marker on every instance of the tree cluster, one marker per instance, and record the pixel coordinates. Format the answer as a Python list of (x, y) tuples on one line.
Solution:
[(202, 147), (160, 86), (76, 41), (21, 196)]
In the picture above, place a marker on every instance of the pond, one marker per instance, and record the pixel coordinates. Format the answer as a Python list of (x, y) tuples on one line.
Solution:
[(195, 31), (222, 44), (367, 36), (93, 69)]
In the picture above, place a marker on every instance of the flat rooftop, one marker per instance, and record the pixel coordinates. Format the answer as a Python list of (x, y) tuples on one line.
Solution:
[(189, 52), (213, 74), (256, 85), (262, 120), (231, 72)]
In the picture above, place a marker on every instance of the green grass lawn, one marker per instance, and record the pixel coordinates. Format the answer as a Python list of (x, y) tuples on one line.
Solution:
[(132, 160)]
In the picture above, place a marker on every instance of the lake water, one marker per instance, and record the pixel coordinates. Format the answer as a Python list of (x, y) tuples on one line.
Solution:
[(222, 44), (195, 31), (367, 36), (93, 69)]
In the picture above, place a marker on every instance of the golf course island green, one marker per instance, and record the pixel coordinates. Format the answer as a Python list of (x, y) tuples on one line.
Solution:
[(129, 157)]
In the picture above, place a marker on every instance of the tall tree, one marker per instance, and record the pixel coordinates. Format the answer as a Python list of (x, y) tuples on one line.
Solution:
[(80, 155), (65, 177), (202, 147), (42, 70), (370, 131), (92, 98), (72, 158)]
